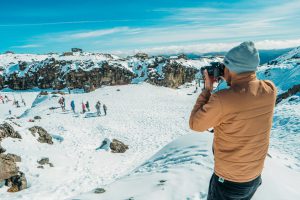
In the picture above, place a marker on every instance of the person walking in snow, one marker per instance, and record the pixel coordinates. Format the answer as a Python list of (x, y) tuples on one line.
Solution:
[(87, 105), (73, 106), (23, 101), (61, 101), (6, 98), (242, 119), (17, 104), (104, 109), (2, 99), (83, 108), (9, 112), (98, 106)]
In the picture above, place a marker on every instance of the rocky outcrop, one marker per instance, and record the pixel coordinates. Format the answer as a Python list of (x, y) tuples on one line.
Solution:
[(174, 74), (91, 70), (99, 190), (117, 146), (107, 74), (58, 74), (44, 161), (292, 91), (8, 167), (14, 157), (17, 182), (6, 130), (43, 135), (37, 117)]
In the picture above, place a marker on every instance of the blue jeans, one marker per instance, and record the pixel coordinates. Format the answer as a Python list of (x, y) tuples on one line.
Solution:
[(228, 190)]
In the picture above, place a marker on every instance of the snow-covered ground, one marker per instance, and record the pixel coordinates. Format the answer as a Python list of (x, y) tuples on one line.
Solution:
[(143, 116)]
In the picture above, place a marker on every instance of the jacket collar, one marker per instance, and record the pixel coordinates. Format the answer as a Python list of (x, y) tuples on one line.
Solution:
[(243, 78)]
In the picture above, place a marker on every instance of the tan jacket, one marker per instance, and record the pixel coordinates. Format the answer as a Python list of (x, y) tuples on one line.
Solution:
[(242, 119)]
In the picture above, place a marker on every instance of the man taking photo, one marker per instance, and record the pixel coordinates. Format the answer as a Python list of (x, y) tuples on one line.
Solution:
[(241, 116)]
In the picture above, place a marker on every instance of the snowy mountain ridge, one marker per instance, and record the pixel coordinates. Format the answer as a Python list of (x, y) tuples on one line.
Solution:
[(80, 69)]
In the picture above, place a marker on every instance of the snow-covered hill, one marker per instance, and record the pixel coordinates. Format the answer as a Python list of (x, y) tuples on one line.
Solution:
[(285, 73)]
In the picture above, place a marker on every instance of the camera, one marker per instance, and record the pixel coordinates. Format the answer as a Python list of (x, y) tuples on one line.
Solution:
[(214, 70)]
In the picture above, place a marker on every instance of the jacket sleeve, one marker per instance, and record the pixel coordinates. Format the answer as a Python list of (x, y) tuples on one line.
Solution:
[(206, 113)]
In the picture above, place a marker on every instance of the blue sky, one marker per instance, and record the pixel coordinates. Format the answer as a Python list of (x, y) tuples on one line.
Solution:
[(153, 26)]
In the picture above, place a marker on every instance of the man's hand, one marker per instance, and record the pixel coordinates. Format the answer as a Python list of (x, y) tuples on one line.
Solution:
[(208, 84)]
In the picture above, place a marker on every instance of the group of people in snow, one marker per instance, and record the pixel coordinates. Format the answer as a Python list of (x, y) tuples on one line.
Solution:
[(5, 99), (98, 108), (85, 107)]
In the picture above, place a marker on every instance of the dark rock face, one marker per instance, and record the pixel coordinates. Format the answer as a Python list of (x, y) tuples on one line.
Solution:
[(16, 183), (89, 74), (44, 136), (6, 130), (2, 150), (174, 75), (57, 74), (292, 91), (117, 146), (106, 75)]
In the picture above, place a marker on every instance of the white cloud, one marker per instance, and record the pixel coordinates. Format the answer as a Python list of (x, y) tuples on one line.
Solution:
[(211, 47)]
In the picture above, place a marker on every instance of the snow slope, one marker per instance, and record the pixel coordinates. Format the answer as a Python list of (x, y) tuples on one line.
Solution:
[(285, 73), (182, 169)]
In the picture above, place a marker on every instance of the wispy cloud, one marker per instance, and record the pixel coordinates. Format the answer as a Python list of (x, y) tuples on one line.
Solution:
[(66, 22), (96, 33), (27, 46)]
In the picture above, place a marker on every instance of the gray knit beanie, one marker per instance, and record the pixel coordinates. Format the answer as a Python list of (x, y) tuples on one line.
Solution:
[(242, 58)]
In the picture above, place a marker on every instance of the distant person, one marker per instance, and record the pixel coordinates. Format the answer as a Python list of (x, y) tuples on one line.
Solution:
[(104, 109), (2, 99), (17, 104), (61, 101), (73, 106), (87, 105), (9, 112), (98, 106), (23, 101), (242, 119), (6, 98), (83, 107)]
